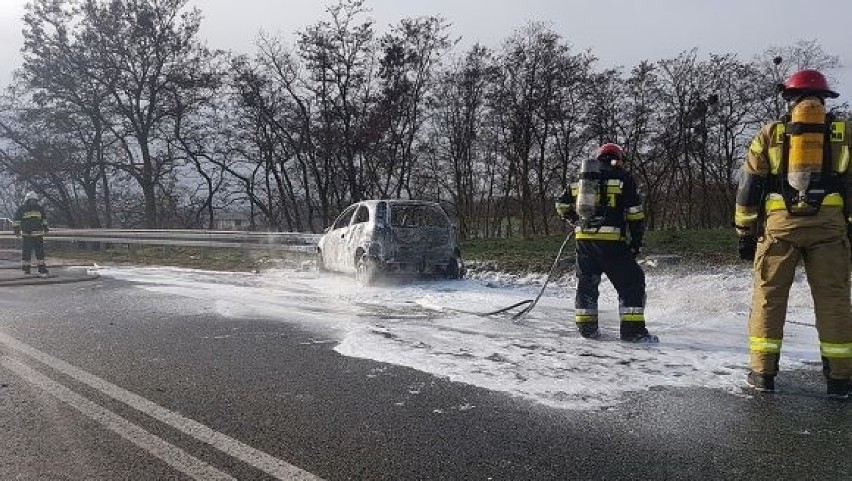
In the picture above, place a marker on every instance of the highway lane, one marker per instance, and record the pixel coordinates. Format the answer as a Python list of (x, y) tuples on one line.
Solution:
[(101, 380)]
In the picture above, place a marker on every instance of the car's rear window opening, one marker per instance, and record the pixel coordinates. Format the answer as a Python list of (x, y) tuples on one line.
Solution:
[(417, 216)]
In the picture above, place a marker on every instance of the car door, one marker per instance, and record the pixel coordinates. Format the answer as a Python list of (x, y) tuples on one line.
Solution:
[(358, 234), (335, 240)]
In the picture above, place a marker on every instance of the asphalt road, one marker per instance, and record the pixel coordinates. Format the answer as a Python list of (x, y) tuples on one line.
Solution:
[(101, 380)]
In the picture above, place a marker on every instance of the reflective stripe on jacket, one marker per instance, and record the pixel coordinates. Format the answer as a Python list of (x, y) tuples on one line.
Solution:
[(764, 163), (31, 219), (619, 208)]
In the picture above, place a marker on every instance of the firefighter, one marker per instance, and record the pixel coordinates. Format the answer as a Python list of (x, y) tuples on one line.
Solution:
[(793, 204), (30, 222), (605, 208)]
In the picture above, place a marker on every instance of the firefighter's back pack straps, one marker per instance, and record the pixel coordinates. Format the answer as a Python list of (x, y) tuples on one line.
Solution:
[(603, 199), (779, 183), (832, 175), (828, 170), (828, 177)]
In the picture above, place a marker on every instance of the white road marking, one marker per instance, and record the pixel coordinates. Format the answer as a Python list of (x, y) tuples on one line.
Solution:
[(269, 464), (171, 454)]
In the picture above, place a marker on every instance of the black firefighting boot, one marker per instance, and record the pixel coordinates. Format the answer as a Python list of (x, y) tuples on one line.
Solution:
[(837, 388), (589, 330), (646, 338), (26, 269), (42, 270), (761, 382), (636, 332)]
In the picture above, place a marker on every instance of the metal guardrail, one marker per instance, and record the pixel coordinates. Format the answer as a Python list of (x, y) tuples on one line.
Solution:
[(284, 241)]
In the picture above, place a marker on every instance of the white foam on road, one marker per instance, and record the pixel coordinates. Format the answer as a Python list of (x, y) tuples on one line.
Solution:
[(701, 319)]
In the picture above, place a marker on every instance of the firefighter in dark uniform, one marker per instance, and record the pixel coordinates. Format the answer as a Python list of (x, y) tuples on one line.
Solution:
[(793, 204), (30, 222), (609, 225)]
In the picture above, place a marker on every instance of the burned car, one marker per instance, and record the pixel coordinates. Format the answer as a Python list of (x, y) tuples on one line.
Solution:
[(378, 238)]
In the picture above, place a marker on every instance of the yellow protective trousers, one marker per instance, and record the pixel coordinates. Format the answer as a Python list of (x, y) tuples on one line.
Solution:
[(820, 242)]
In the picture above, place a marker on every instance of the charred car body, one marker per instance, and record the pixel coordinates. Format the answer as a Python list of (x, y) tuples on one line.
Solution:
[(375, 238)]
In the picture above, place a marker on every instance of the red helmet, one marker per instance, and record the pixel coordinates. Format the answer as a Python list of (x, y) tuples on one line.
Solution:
[(807, 82), (610, 151)]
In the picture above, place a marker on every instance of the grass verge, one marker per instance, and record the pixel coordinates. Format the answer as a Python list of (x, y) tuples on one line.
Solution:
[(177, 256), (702, 247)]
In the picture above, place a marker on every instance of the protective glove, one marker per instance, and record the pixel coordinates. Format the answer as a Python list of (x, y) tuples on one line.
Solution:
[(747, 247), (635, 249), (566, 212)]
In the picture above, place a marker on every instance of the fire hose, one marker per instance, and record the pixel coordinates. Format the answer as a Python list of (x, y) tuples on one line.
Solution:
[(530, 303)]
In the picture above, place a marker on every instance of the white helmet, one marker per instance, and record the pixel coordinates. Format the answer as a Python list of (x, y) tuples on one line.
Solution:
[(30, 196)]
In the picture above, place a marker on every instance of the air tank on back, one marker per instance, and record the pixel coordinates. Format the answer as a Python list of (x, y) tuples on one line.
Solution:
[(587, 192), (806, 148)]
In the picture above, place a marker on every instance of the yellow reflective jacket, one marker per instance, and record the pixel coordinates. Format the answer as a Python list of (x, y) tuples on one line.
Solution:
[(762, 171)]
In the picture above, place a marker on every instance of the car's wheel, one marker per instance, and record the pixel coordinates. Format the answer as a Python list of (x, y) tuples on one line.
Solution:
[(455, 268), (320, 262), (366, 270)]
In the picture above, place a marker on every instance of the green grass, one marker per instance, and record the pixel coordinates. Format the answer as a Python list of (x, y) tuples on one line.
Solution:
[(700, 244), (701, 247), (191, 257)]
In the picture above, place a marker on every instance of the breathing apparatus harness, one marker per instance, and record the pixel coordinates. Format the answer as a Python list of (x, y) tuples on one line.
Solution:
[(807, 199)]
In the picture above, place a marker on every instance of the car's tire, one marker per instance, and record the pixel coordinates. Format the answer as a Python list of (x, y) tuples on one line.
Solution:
[(455, 268), (367, 270)]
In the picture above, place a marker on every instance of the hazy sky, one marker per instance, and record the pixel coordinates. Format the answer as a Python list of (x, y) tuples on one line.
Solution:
[(619, 32)]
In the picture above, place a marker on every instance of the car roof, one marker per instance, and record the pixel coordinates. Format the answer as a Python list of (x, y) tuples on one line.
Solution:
[(373, 202)]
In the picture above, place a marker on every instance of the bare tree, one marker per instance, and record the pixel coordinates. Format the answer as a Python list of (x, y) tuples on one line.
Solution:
[(137, 54), (122, 117), (456, 160), (409, 56), (339, 59), (525, 97), (776, 63)]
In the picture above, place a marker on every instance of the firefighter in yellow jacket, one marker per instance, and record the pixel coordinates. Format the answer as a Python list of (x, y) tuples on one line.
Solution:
[(793, 204)]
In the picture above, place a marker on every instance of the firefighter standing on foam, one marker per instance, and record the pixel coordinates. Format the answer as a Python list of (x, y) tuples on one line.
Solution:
[(30, 222), (793, 203), (606, 209)]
